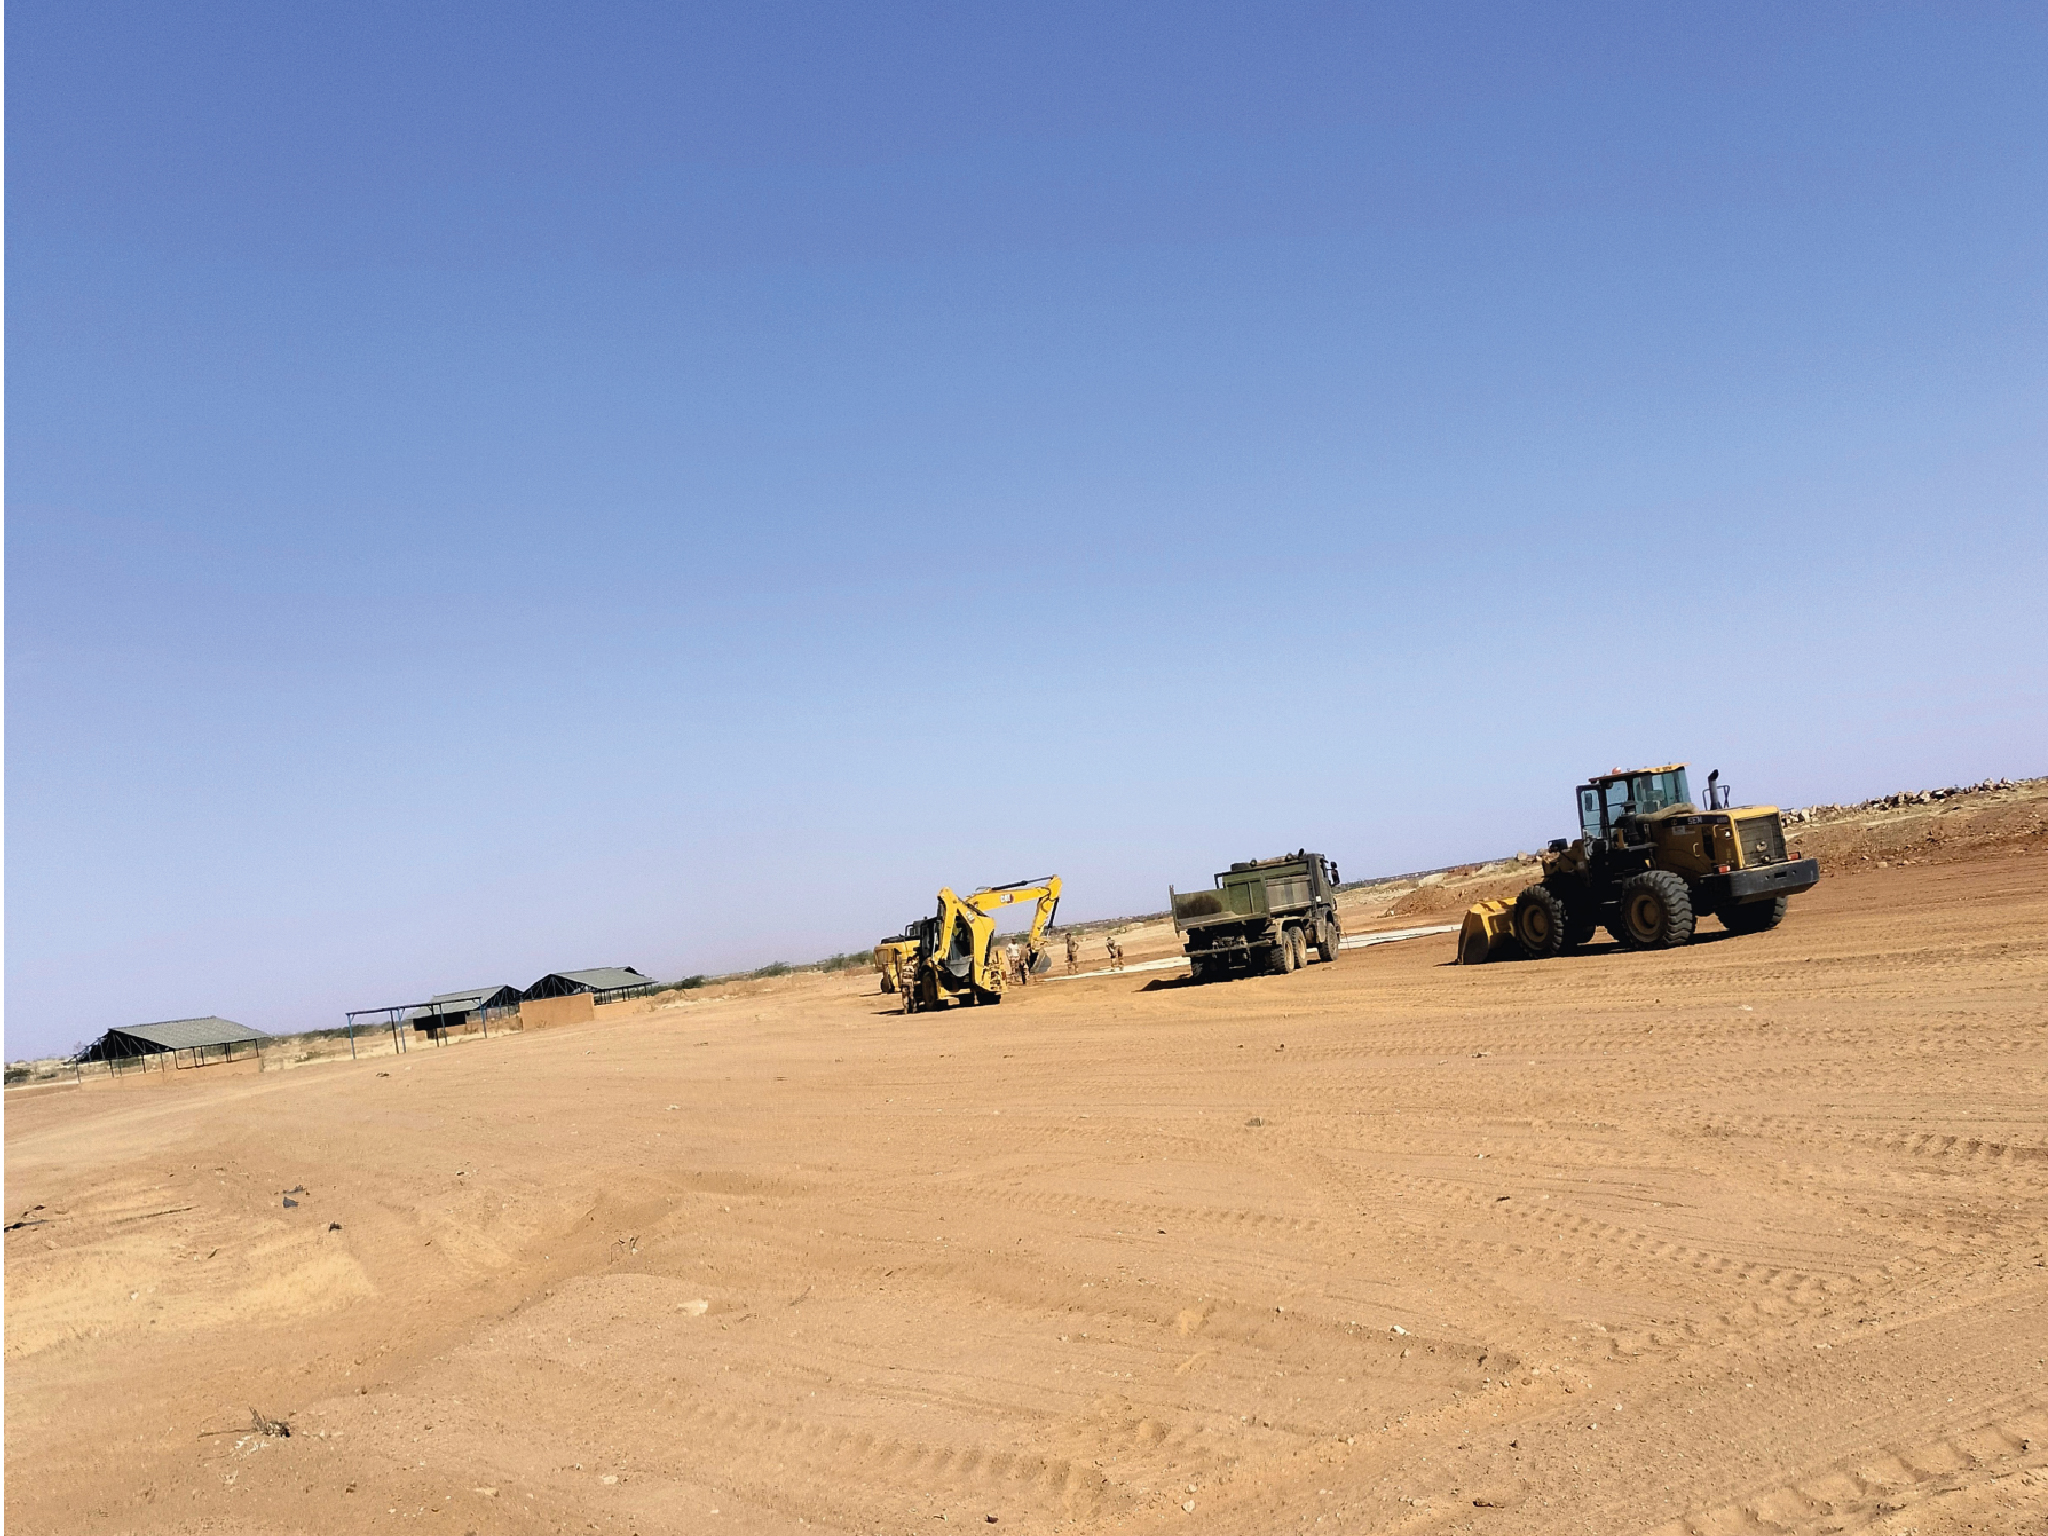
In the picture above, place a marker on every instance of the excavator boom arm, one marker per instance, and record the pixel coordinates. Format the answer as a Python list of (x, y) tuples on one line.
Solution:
[(1045, 892)]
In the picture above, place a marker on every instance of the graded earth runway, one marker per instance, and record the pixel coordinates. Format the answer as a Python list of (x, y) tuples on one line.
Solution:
[(1751, 1236)]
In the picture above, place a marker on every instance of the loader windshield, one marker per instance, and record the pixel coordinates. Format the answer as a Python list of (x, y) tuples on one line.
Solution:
[(1655, 791), (1605, 801)]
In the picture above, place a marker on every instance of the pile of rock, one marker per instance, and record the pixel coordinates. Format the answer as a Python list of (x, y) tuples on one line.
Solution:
[(1904, 797)]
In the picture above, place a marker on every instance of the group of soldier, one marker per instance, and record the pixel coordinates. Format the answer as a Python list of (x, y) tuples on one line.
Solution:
[(1114, 949), (1017, 962)]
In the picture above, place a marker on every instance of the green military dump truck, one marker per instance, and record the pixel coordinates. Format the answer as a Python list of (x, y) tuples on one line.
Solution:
[(1263, 915)]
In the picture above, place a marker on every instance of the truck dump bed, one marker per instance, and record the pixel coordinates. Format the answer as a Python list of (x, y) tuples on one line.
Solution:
[(1247, 899)]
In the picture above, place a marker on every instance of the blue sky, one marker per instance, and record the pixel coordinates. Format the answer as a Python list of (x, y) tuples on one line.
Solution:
[(495, 490)]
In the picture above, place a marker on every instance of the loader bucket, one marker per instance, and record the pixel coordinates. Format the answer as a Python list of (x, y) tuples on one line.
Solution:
[(1489, 930)]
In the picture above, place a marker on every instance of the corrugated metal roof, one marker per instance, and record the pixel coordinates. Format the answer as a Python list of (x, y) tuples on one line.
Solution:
[(190, 1034), (474, 994), (607, 978), (460, 1002)]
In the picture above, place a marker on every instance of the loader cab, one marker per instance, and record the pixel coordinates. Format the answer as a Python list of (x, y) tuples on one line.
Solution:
[(1612, 800)]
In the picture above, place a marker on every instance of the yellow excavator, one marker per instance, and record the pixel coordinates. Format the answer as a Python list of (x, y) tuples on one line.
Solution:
[(957, 956)]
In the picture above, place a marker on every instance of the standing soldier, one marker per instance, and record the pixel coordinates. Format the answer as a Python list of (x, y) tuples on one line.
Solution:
[(1073, 952), (1116, 952), (1016, 968)]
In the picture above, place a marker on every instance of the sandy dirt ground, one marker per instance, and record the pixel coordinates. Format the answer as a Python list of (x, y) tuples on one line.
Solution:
[(1751, 1236)]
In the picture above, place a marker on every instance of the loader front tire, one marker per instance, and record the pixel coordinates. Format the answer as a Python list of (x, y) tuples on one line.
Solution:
[(1654, 911), (1541, 922), (1755, 916)]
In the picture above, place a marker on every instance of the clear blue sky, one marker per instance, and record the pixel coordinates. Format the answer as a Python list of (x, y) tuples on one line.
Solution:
[(501, 489)]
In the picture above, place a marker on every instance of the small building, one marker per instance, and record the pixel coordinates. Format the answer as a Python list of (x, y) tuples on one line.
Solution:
[(190, 1042), (606, 984), (459, 1010)]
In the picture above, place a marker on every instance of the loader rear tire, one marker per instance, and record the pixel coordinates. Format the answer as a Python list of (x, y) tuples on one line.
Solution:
[(1755, 916), (1281, 960), (1654, 912), (1541, 922)]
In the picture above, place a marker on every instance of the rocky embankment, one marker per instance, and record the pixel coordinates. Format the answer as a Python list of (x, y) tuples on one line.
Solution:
[(1910, 797)]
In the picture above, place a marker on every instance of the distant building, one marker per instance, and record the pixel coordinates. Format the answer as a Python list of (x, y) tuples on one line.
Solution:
[(194, 1040), (606, 984), (458, 1010)]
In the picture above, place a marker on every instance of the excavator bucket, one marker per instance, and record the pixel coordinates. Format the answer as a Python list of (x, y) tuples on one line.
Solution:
[(1488, 932), (1041, 963)]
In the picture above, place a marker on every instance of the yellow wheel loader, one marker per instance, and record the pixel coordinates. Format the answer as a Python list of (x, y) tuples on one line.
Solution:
[(1648, 865), (893, 954), (957, 957)]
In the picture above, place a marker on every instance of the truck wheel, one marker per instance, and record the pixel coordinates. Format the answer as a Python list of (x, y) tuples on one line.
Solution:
[(1327, 945), (1281, 958), (1197, 972), (1541, 922), (1755, 916), (1300, 941), (1655, 911)]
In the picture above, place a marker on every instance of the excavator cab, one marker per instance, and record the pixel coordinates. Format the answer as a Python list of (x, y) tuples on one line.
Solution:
[(960, 951)]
